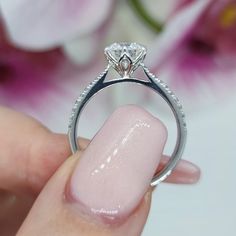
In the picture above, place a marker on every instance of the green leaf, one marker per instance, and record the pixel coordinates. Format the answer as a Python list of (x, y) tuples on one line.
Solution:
[(143, 14)]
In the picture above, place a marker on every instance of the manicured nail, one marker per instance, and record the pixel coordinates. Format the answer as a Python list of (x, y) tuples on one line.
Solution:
[(115, 171), (185, 173)]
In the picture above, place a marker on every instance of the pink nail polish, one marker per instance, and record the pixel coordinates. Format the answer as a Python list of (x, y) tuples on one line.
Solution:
[(116, 169), (185, 173)]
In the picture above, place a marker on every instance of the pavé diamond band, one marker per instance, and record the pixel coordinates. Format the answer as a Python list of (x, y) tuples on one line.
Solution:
[(125, 58)]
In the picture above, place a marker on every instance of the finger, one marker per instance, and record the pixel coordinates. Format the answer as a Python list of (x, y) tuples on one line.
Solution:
[(107, 190), (30, 153), (13, 210), (12, 205)]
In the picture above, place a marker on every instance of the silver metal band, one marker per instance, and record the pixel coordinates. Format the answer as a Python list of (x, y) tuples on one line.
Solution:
[(155, 84)]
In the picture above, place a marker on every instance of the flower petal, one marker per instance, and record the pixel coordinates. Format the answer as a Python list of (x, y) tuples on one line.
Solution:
[(45, 24), (82, 50), (175, 32), (192, 59)]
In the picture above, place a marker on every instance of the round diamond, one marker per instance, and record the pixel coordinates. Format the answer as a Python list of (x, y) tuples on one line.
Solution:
[(133, 51)]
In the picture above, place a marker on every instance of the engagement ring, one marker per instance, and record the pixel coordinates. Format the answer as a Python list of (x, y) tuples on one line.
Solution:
[(125, 58)]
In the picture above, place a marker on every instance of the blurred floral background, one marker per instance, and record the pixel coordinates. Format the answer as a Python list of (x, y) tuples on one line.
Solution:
[(49, 50)]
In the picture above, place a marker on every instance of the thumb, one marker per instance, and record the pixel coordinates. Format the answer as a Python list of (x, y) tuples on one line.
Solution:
[(106, 191)]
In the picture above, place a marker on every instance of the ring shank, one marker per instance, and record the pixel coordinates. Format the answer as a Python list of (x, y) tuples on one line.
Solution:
[(160, 88)]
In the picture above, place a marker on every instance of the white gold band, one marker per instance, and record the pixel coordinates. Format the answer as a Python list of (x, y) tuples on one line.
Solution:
[(125, 64)]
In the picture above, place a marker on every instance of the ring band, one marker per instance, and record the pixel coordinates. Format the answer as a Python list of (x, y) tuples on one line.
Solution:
[(125, 58)]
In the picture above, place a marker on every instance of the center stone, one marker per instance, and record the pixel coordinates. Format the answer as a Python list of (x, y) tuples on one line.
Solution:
[(125, 57)]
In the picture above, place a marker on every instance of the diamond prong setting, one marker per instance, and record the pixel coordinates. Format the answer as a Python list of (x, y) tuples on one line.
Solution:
[(125, 57)]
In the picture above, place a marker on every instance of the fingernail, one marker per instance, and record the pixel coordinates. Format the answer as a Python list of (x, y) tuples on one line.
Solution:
[(188, 172), (116, 169), (185, 173)]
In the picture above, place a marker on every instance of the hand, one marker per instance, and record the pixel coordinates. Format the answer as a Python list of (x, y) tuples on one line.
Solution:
[(43, 192)]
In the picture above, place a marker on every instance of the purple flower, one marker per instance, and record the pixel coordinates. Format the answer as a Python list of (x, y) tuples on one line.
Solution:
[(32, 35), (198, 45), (25, 77), (46, 24)]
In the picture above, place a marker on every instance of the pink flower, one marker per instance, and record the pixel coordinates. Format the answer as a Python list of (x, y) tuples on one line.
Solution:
[(25, 77), (47, 24), (198, 45), (33, 62)]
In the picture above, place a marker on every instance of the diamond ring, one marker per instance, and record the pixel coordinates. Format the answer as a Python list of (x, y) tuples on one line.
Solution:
[(125, 58)]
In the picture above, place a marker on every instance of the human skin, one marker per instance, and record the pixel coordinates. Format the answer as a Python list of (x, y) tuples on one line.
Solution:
[(39, 177)]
